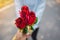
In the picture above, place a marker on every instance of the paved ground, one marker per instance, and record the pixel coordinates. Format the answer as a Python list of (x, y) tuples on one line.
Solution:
[(49, 26)]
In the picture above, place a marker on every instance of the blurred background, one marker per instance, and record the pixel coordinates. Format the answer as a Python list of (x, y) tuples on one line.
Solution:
[(49, 25)]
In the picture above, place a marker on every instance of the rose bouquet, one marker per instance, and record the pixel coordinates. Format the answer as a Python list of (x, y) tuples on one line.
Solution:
[(26, 20), (29, 13)]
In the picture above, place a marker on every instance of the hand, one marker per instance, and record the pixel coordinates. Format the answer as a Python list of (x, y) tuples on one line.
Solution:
[(20, 36)]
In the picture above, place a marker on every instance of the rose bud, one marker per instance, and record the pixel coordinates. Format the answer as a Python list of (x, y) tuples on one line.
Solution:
[(24, 12), (20, 23), (31, 18)]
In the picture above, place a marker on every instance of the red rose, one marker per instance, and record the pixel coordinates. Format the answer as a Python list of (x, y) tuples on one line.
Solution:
[(31, 18), (25, 8), (24, 12), (20, 23)]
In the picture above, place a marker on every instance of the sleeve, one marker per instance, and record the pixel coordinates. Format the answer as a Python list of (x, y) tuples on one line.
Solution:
[(39, 12), (17, 7)]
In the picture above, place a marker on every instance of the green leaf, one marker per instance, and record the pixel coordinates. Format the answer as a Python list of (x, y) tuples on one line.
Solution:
[(36, 20), (32, 28), (25, 30)]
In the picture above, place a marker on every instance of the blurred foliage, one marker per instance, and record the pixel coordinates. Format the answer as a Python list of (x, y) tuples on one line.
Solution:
[(5, 2)]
